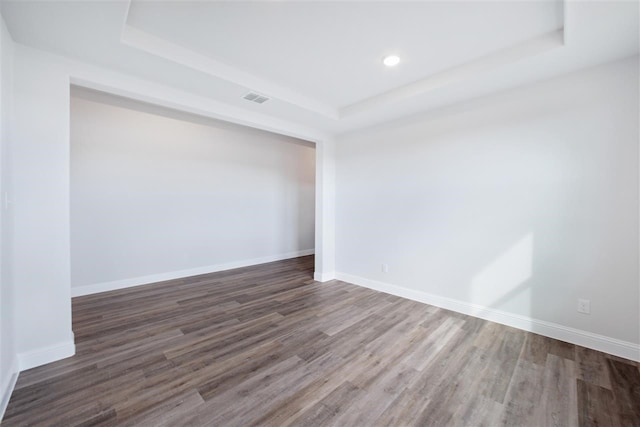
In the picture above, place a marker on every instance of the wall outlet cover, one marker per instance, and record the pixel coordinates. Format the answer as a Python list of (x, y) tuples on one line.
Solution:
[(584, 306)]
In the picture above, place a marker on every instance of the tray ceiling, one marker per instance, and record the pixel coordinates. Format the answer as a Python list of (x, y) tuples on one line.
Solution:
[(320, 63)]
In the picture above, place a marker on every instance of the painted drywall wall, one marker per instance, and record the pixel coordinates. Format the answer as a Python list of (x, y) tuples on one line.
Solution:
[(40, 186), (154, 194), (522, 202), (8, 354), (39, 189), (325, 266)]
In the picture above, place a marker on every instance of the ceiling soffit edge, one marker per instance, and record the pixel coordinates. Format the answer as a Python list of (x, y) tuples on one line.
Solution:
[(144, 41)]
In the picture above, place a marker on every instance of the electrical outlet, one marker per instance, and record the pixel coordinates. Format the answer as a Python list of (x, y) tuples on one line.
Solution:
[(584, 306), (385, 268)]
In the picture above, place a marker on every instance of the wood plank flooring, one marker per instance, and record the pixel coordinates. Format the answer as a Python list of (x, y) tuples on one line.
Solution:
[(268, 346)]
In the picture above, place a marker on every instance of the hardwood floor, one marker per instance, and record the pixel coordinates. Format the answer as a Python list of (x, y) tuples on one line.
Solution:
[(268, 346)]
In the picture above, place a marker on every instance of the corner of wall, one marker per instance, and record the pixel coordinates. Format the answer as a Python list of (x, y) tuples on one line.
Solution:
[(42, 356), (7, 387), (324, 277), (9, 368), (325, 209)]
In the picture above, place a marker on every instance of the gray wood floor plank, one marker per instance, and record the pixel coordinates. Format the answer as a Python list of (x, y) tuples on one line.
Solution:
[(266, 345)]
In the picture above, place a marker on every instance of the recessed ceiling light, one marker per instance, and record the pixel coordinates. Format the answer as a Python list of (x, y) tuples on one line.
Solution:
[(391, 60)]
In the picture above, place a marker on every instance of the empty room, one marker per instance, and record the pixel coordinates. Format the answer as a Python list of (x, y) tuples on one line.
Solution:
[(320, 213)]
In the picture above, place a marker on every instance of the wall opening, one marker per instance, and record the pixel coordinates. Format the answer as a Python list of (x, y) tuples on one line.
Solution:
[(158, 193)]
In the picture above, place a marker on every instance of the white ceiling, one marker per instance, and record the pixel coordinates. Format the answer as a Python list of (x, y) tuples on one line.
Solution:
[(309, 46), (320, 62)]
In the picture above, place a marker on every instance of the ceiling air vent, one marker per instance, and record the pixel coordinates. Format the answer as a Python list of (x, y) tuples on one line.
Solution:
[(257, 98)]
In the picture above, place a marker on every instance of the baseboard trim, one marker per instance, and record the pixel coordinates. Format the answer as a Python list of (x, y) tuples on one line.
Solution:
[(179, 274), (617, 347), (42, 356), (7, 388), (323, 277)]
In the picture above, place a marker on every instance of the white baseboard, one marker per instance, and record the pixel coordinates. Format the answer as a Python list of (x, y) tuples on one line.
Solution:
[(323, 277), (625, 349), (42, 356), (153, 278), (8, 386)]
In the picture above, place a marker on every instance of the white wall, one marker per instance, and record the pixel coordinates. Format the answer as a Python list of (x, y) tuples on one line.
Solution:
[(160, 194), (40, 253), (325, 211), (39, 190), (522, 202), (8, 359)]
